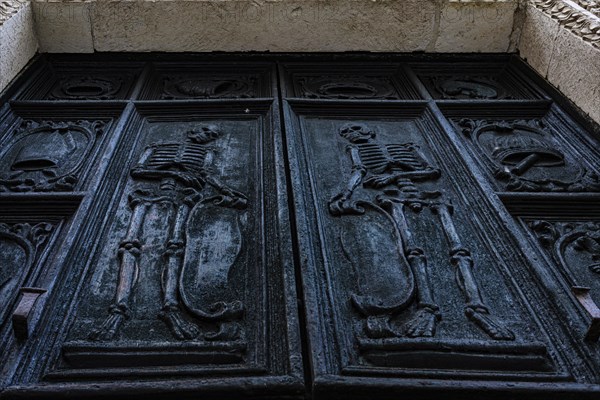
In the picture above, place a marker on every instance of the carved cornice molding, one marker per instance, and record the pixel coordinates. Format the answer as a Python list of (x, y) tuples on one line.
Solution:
[(8, 8), (592, 6), (581, 17)]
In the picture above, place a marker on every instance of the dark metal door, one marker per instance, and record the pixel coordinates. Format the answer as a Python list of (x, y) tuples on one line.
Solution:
[(276, 227)]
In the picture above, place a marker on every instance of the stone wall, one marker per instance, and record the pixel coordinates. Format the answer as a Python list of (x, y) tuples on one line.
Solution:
[(276, 25), (561, 41), (18, 42)]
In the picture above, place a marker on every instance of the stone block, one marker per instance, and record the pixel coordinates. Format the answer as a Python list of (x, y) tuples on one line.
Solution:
[(537, 40), (474, 26), (63, 27), (575, 70), (235, 25), (18, 43)]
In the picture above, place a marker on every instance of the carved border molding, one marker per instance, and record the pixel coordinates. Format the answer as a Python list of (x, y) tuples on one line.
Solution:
[(592, 6), (581, 17), (8, 8)]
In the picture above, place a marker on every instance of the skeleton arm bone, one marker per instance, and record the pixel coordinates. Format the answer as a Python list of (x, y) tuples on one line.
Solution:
[(229, 197), (381, 180), (142, 161), (340, 204)]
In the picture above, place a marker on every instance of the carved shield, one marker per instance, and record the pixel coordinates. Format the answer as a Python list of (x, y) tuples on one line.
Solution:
[(213, 244), (373, 245)]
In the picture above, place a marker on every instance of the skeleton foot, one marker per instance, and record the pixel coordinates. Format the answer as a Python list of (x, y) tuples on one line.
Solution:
[(423, 324), (227, 331), (378, 327), (111, 325), (481, 317), (179, 327)]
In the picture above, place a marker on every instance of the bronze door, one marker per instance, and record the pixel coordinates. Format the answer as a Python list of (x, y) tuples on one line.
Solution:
[(296, 227)]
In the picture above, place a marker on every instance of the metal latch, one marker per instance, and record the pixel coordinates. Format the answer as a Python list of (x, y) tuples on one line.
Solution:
[(20, 318), (583, 296)]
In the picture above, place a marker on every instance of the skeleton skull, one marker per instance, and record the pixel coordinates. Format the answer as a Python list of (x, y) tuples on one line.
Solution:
[(204, 134), (356, 133)]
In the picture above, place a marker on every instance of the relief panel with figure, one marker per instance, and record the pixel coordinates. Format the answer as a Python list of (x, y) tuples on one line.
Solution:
[(411, 276), (180, 279)]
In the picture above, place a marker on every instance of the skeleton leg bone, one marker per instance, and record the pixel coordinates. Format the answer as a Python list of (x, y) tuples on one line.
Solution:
[(460, 257), (171, 312), (424, 322), (129, 253)]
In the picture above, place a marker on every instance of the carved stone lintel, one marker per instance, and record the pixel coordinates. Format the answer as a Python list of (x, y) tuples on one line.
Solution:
[(592, 6), (8, 8), (582, 23)]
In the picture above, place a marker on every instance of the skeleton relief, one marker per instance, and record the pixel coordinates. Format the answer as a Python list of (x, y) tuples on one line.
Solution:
[(387, 176), (178, 176)]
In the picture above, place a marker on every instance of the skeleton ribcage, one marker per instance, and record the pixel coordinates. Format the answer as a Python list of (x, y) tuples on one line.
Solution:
[(379, 158), (185, 157)]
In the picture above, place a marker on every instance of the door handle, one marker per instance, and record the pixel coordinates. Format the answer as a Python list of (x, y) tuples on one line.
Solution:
[(583, 296), (20, 318)]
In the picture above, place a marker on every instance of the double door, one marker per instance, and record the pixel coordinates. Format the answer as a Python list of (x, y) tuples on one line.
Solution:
[(282, 227)]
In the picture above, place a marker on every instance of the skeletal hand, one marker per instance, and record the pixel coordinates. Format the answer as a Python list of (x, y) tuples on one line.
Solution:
[(232, 198), (341, 204), (379, 181)]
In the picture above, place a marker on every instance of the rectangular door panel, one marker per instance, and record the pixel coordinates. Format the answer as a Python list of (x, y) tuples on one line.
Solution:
[(193, 80), (192, 275), (401, 258)]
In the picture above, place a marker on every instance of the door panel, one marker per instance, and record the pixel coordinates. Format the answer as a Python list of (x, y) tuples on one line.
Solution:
[(279, 226), (183, 276), (434, 298), (153, 288), (410, 273)]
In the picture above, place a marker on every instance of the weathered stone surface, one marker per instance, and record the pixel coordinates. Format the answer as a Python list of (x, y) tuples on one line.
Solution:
[(575, 70), (580, 17), (263, 25), (18, 43), (63, 27), (475, 26), (276, 25), (537, 41), (8, 8)]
